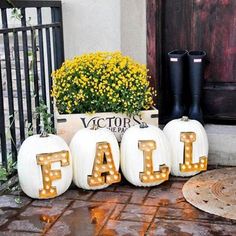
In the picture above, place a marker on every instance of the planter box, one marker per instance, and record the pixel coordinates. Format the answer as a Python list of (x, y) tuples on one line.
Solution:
[(68, 124)]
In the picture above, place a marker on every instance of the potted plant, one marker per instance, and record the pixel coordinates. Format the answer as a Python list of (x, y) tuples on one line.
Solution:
[(105, 89)]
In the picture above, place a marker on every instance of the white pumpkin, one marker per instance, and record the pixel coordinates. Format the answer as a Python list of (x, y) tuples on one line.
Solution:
[(44, 166), (133, 158), (84, 149), (189, 157)]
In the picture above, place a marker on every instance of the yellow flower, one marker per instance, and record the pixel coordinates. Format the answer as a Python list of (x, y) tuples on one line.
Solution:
[(102, 81)]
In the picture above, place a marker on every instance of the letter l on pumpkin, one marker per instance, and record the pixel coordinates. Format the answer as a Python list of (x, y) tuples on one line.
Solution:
[(149, 175), (188, 138)]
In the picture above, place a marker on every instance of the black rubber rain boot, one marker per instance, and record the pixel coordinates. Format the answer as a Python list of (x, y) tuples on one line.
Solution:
[(177, 60), (196, 61)]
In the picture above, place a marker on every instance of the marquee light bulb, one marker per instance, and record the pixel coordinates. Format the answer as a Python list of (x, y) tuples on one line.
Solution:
[(188, 138), (103, 153), (149, 175), (48, 175)]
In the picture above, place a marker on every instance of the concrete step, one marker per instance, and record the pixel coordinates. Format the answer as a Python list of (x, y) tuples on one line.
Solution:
[(222, 144)]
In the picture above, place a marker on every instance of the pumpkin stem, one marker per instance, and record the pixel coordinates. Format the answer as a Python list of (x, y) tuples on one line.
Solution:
[(184, 118), (143, 125), (43, 134)]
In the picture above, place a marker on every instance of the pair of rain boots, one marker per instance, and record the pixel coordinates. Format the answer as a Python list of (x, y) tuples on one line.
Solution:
[(190, 65)]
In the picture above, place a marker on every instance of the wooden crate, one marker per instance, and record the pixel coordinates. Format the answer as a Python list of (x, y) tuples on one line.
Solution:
[(68, 124)]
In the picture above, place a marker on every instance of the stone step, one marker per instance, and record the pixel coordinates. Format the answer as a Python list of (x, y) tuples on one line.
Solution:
[(222, 144)]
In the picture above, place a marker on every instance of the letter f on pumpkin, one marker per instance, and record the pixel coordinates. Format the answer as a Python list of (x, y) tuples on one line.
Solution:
[(49, 175)]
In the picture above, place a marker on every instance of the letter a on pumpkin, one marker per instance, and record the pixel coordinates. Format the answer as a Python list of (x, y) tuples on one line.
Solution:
[(104, 171)]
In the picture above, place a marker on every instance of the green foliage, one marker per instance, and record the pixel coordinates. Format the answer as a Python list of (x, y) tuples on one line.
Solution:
[(45, 118), (16, 14), (18, 200), (5, 173), (11, 3)]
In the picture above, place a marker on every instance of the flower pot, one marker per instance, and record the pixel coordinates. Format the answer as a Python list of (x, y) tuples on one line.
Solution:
[(68, 124)]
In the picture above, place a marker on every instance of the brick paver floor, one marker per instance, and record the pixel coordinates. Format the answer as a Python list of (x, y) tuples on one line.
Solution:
[(118, 210)]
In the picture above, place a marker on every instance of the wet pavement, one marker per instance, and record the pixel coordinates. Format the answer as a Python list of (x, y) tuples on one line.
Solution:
[(121, 209)]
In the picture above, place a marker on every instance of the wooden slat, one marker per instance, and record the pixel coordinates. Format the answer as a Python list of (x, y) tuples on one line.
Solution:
[(195, 25), (151, 42)]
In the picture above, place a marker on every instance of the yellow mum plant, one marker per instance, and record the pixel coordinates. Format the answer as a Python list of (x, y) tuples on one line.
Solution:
[(102, 82)]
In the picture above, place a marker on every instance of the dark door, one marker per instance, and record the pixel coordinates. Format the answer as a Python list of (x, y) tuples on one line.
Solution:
[(208, 25)]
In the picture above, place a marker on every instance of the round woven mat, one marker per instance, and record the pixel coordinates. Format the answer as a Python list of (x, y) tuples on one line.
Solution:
[(214, 192)]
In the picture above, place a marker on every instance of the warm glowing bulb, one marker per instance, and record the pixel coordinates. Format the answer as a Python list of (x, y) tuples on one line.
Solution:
[(46, 179)]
